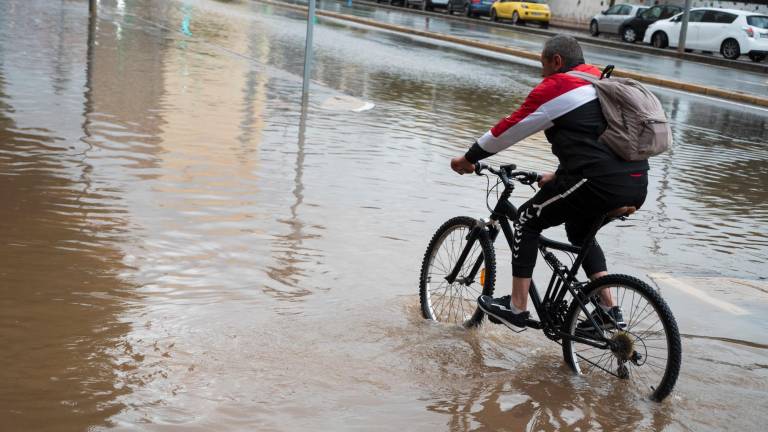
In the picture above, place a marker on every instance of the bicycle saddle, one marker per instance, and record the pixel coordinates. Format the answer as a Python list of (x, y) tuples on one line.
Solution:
[(621, 212)]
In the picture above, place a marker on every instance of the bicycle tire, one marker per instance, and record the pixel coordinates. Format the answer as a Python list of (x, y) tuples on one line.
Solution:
[(641, 335), (463, 296)]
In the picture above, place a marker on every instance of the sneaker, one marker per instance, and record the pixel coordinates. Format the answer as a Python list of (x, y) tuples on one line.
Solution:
[(604, 319), (500, 309), (506, 300)]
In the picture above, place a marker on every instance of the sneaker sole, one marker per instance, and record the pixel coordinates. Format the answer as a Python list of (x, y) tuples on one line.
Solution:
[(501, 320)]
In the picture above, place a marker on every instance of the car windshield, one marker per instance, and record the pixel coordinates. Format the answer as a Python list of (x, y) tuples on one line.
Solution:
[(653, 12), (758, 21)]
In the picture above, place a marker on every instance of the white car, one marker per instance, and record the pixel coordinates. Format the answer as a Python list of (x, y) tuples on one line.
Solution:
[(728, 31), (610, 20)]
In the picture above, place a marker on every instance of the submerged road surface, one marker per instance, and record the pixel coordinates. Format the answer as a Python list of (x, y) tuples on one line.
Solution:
[(625, 58), (183, 246)]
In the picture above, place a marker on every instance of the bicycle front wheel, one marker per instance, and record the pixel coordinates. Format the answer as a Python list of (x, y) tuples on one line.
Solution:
[(456, 302), (645, 349)]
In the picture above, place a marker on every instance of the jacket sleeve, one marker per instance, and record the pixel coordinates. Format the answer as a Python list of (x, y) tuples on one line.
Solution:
[(530, 118)]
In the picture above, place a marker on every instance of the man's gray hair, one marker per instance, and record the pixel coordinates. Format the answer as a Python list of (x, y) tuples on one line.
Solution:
[(568, 48)]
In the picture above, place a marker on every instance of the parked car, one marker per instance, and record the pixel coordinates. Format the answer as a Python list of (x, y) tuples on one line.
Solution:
[(391, 2), (521, 12), (470, 8), (426, 4), (633, 29), (729, 31), (610, 20)]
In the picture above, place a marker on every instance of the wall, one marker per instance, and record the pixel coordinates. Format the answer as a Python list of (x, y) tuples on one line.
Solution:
[(758, 6)]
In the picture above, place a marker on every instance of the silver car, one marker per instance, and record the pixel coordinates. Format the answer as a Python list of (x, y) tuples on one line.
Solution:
[(609, 21)]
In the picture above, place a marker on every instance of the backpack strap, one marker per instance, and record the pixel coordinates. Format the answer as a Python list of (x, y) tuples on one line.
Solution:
[(607, 72), (585, 76)]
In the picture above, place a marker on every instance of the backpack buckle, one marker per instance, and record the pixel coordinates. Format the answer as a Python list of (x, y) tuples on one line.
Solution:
[(607, 72)]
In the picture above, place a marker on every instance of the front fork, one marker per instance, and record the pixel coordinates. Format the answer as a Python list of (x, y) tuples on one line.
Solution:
[(478, 230)]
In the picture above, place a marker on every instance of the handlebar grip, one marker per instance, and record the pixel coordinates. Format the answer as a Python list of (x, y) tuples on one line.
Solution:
[(479, 167)]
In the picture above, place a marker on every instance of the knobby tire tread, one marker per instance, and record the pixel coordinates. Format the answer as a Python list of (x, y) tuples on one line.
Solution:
[(665, 314), (489, 259)]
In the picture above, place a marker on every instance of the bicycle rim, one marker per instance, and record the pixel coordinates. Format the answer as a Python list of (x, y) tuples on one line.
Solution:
[(646, 352), (455, 303)]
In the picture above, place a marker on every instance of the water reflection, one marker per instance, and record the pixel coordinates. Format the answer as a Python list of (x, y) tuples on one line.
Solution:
[(61, 297), (485, 381), (290, 252), (186, 245)]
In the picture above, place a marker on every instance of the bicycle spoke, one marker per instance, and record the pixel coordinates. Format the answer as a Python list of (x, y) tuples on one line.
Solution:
[(601, 368), (630, 322), (475, 291), (646, 336)]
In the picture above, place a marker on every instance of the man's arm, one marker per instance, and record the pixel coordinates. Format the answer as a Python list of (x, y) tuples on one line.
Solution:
[(530, 118)]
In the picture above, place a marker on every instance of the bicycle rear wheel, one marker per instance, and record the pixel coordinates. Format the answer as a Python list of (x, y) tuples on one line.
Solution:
[(456, 302), (647, 351)]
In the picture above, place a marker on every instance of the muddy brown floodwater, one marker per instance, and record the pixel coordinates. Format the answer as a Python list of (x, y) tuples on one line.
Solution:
[(183, 247)]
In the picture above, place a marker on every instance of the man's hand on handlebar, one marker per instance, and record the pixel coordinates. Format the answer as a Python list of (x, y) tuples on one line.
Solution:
[(461, 165), (546, 178)]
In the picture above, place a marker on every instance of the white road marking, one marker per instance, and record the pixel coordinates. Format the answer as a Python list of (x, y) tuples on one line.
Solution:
[(678, 284)]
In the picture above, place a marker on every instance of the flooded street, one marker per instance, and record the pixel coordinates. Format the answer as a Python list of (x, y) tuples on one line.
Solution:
[(183, 245)]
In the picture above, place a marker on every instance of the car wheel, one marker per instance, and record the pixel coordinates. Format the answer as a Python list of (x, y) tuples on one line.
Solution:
[(516, 18), (629, 35), (730, 49), (659, 40), (757, 58), (593, 30), (494, 17)]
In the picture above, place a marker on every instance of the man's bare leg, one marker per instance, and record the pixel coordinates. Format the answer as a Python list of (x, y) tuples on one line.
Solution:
[(606, 298), (520, 288)]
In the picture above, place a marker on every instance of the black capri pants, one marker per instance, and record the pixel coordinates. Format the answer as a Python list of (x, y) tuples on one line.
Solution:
[(578, 202)]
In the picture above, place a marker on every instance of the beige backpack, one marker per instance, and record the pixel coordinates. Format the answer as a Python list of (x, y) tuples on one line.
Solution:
[(637, 125)]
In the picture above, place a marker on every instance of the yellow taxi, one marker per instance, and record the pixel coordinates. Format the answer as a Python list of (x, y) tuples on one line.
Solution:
[(521, 12)]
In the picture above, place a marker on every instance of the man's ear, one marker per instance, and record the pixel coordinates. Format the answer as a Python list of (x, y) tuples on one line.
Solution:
[(558, 60)]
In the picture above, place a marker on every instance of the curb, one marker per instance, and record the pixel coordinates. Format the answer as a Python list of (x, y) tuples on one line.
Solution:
[(662, 82), (698, 58)]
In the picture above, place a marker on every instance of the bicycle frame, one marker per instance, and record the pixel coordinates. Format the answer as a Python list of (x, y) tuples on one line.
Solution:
[(562, 282)]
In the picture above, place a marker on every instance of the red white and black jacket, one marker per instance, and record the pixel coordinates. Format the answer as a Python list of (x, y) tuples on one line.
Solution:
[(566, 108)]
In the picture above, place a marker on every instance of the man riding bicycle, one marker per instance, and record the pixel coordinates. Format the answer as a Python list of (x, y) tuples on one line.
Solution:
[(590, 180)]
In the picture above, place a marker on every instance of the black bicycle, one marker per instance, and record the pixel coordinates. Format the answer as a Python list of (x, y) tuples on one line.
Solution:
[(460, 265)]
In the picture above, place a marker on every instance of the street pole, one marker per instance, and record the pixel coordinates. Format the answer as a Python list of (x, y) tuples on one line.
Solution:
[(684, 28), (92, 7), (308, 49)]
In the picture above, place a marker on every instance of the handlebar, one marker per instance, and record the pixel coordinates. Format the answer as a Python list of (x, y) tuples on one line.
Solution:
[(507, 173)]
